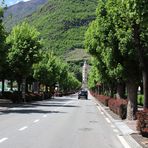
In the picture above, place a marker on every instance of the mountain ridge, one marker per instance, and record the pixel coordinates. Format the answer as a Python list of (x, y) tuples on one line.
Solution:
[(17, 12), (62, 23)]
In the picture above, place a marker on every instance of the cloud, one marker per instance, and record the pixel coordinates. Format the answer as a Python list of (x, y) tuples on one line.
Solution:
[(22, 0), (26, 0), (12, 2), (18, 1)]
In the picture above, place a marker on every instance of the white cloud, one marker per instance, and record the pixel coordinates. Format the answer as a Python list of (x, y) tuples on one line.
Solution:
[(18, 1), (12, 2), (26, 0)]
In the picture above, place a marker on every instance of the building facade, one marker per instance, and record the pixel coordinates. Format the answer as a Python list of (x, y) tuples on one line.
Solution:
[(84, 75)]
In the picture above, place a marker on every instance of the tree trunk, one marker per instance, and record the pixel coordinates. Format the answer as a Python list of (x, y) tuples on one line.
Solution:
[(24, 89), (145, 88), (143, 61), (36, 87), (120, 90), (112, 90), (132, 100), (141, 89), (3, 86), (19, 85), (11, 85), (46, 89)]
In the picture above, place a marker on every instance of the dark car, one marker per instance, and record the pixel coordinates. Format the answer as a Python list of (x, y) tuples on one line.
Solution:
[(83, 94)]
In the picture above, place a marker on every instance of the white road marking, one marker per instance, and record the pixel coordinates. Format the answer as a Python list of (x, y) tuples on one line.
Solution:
[(122, 140), (115, 130), (58, 108), (23, 128), (99, 108), (37, 120), (44, 116), (102, 113), (108, 120), (112, 126), (3, 139)]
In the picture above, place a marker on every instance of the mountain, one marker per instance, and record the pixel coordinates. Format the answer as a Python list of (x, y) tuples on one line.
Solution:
[(62, 24), (19, 11)]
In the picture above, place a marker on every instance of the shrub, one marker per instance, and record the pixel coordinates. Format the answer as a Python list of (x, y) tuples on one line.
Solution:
[(103, 99), (142, 122), (118, 106)]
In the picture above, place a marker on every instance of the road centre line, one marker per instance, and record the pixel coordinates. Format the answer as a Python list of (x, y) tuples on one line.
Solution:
[(3, 139), (57, 109), (122, 140), (37, 120), (23, 128)]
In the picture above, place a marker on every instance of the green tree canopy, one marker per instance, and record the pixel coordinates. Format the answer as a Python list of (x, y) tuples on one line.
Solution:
[(24, 48), (51, 71)]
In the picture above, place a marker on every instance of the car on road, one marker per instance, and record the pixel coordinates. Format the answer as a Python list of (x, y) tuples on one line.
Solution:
[(83, 94)]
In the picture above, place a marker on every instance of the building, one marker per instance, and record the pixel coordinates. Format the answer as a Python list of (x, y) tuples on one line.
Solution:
[(84, 75)]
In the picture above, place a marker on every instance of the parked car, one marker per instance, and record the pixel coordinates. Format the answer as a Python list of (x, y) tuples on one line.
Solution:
[(83, 94)]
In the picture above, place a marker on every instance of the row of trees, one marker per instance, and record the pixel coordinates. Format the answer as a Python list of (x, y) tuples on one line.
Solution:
[(117, 40), (22, 58)]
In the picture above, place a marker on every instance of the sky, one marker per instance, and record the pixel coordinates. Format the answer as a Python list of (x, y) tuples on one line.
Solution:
[(12, 2)]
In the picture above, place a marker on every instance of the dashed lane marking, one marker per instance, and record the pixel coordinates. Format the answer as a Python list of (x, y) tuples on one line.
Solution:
[(37, 120), (23, 128), (3, 139), (44, 116)]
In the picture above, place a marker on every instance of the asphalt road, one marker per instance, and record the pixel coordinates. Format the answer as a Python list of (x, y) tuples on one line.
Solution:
[(63, 122)]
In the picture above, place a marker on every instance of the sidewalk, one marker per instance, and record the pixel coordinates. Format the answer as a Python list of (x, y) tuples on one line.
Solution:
[(127, 128)]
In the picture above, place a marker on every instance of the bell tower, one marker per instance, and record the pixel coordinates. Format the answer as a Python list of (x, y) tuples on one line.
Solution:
[(84, 75)]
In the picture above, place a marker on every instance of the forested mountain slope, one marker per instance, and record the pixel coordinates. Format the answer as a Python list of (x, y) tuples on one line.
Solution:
[(19, 11), (62, 23)]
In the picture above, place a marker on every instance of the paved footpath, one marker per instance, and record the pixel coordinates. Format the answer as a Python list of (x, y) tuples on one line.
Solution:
[(128, 128)]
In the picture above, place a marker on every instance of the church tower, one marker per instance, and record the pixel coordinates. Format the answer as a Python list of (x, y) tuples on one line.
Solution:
[(84, 75)]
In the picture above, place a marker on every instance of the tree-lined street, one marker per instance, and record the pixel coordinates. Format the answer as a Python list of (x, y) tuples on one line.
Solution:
[(64, 122)]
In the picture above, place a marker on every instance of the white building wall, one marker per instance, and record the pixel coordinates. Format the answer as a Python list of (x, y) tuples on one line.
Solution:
[(84, 75)]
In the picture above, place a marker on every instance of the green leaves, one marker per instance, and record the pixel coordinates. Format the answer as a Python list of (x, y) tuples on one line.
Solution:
[(24, 48), (110, 38), (52, 70), (3, 49)]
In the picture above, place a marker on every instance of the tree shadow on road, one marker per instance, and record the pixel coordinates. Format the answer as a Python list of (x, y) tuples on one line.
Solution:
[(30, 111), (34, 108)]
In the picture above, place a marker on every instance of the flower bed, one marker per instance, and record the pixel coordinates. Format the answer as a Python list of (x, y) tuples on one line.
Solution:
[(103, 99), (142, 122), (118, 106)]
